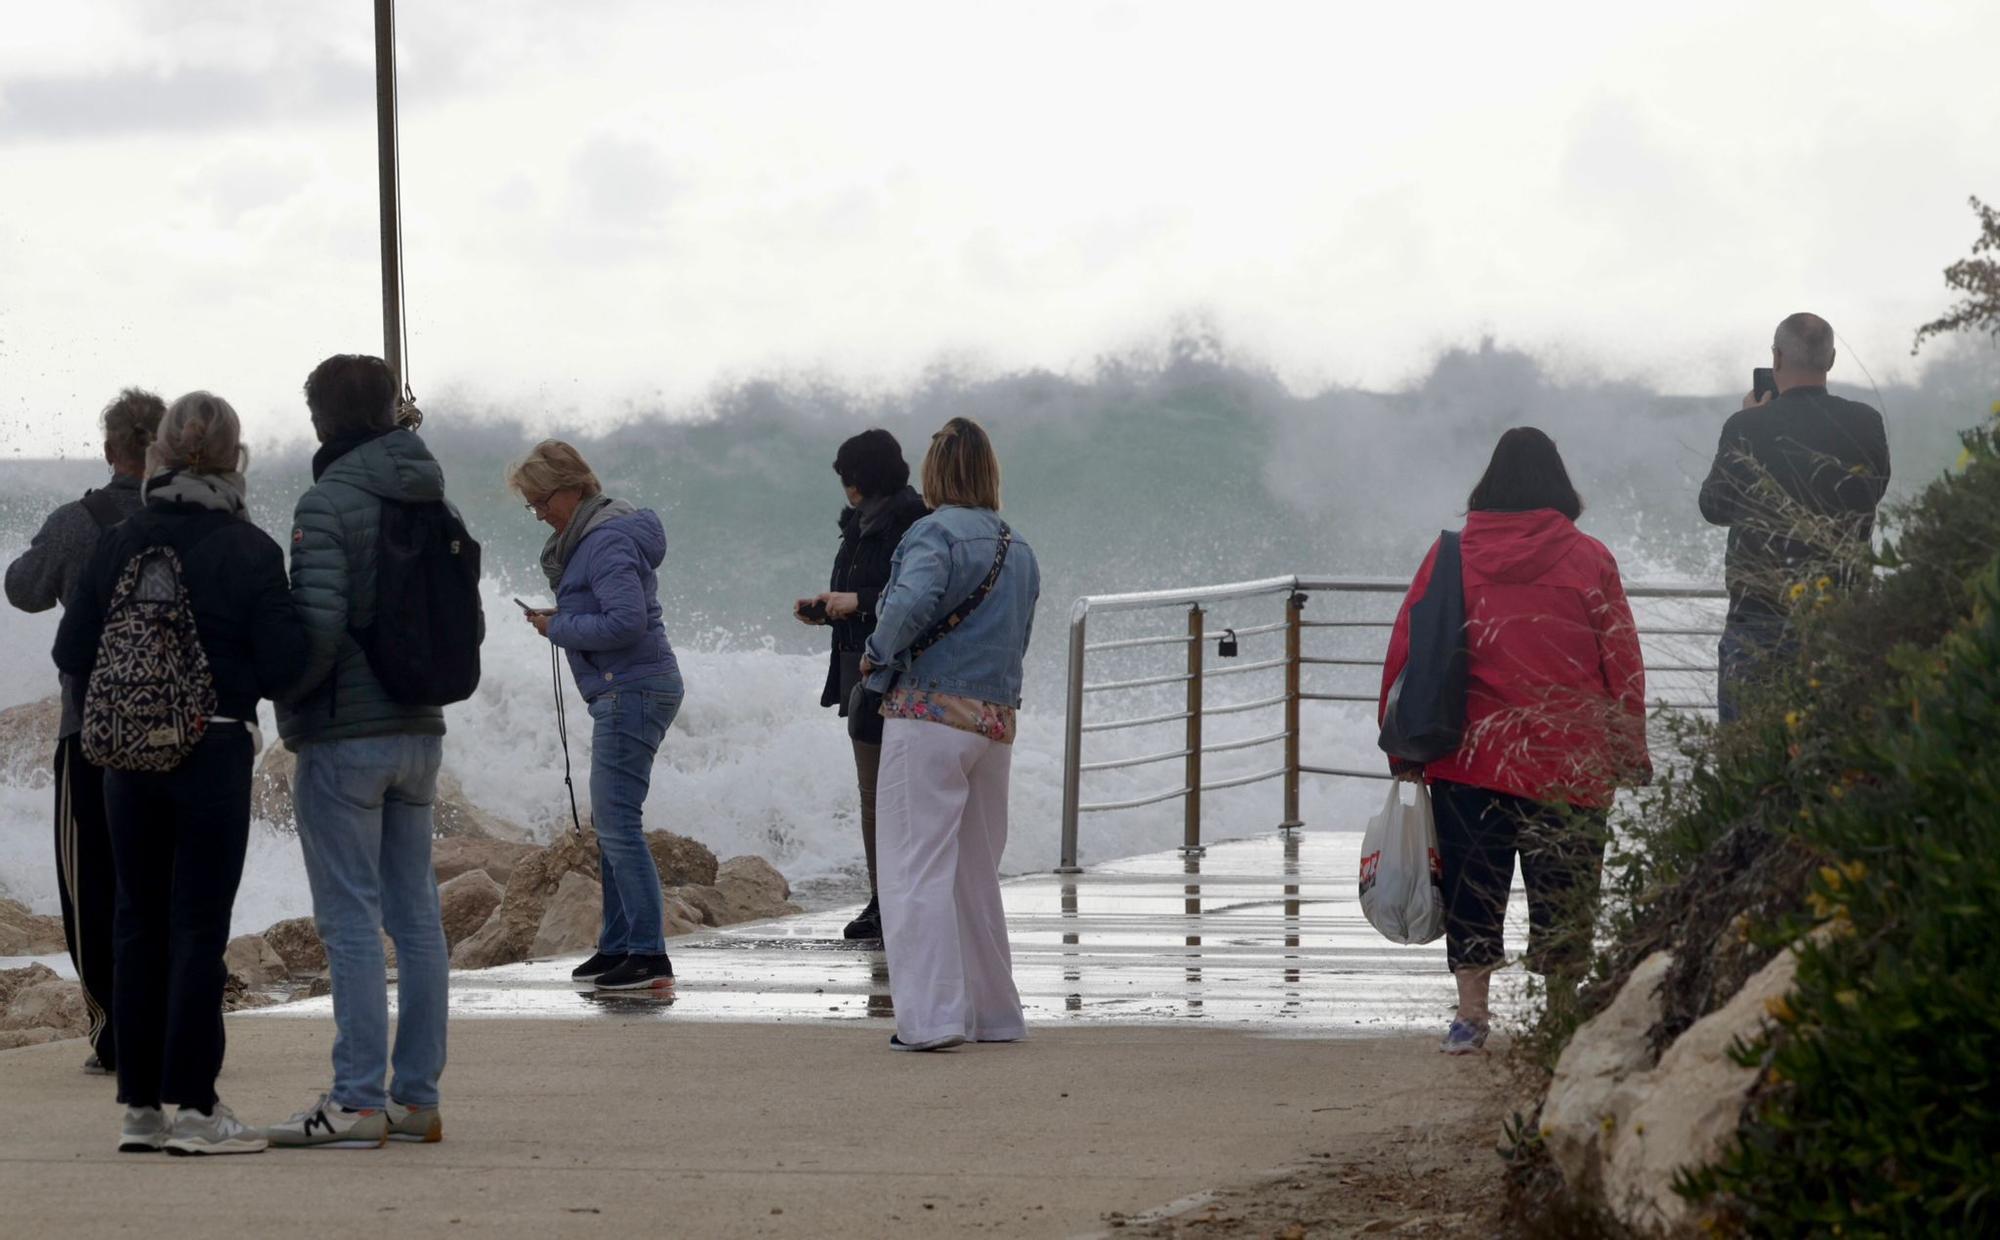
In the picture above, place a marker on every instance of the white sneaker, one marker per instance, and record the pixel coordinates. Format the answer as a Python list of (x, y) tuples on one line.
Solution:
[(328, 1125), (424, 1124), (145, 1131), (218, 1132)]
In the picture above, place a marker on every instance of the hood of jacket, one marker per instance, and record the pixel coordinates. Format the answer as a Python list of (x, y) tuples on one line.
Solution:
[(1517, 547), (393, 466), (642, 526)]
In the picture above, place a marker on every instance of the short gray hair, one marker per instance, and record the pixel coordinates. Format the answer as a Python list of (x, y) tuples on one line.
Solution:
[(1805, 341), (199, 433)]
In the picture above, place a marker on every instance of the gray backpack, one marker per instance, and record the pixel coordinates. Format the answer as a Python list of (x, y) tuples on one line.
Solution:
[(151, 694)]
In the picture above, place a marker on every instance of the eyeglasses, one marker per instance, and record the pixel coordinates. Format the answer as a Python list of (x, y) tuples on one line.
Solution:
[(536, 505)]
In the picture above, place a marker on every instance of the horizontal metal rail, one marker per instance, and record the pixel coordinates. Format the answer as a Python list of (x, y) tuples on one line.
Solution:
[(1295, 590)]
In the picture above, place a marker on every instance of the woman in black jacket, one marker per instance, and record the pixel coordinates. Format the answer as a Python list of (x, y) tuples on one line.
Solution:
[(881, 507), (178, 836)]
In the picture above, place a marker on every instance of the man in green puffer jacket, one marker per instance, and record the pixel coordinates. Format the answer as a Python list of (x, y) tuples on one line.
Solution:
[(367, 775)]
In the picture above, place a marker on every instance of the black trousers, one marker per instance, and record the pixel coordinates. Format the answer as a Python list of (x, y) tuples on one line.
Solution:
[(87, 882), (179, 839), (1562, 852)]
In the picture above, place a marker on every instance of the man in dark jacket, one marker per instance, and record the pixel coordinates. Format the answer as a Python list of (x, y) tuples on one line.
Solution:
[(1796, 479), (47, 574), (367, 774)]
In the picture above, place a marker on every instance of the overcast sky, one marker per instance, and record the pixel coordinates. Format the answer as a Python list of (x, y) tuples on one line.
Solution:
[(614, 205)]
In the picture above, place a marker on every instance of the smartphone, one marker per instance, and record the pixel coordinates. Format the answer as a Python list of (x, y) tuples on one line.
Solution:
[(1763, 380), (814, 611), (524, 607)]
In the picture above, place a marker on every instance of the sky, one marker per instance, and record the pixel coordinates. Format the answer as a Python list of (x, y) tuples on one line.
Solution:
[(615, 207)]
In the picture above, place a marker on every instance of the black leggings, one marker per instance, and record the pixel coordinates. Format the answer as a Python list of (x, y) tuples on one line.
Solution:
[(1562, 850)]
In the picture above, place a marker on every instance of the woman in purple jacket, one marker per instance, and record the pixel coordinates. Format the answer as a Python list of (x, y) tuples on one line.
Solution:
[(602, 561)]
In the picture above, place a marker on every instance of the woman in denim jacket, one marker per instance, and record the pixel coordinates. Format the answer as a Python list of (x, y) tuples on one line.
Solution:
[(603, 563), (951, 682)]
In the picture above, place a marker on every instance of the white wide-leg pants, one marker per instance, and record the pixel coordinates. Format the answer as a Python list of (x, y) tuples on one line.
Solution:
[(940, 827)]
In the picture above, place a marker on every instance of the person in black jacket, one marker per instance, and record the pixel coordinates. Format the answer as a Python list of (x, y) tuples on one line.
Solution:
[(44, 576), (179, 837), (1796, 479), (881, 507)]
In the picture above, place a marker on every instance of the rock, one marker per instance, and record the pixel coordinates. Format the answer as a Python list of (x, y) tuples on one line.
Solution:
[(297, 943), (13, 1038), (753, 890), (35, 998), (27, 741), (681, 861), (1604, 1053), (484, 947), (466, 903), (708, 902), (453, 813), (510, 934), (682, 917), (23, 933), (254, 962), (572, 919), (462, 854), (1621, 1130)]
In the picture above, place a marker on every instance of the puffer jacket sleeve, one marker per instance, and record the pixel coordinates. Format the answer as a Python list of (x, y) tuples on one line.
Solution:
[(277, 635), (1397, 656), (919, 574), (1624, 668), (612, 569), (320, 587)]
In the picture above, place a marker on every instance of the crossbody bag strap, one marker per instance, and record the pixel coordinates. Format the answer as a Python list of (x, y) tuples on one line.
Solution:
[(937, 632)]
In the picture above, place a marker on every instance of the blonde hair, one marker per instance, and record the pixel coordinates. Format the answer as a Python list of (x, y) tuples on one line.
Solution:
[(552, 466), (961, 467), (199, 433)]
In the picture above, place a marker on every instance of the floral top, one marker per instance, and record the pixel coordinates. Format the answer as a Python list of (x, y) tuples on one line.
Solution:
[(995, 723)]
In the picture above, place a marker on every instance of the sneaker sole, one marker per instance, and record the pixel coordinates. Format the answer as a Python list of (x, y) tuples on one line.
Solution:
[(429, 1136), (241, 1145), (143, 1145), (651, 983), (941, 1044), (358, 1143)]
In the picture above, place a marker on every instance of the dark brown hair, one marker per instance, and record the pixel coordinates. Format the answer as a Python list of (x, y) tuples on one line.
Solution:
[(130, 422), (1526, 473), (351, 392)]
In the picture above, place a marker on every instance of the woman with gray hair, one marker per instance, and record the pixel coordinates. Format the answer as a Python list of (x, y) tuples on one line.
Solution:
[(603, 563), (179, 804)]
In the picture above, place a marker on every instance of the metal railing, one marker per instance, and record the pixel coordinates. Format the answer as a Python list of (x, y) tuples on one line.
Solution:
[(1295, 592)]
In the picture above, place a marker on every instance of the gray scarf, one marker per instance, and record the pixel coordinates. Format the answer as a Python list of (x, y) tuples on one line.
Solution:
[(876, 513), (221, 492), (589, 514)]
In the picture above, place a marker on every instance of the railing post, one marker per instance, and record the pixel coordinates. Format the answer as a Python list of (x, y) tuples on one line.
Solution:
[(1295, 608), (1073, 745), (1191, 822)]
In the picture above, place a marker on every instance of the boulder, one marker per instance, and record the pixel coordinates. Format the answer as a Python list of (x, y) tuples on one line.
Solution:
[(28, 741), (461, 854), (23, 933), (35, 998), (572, 919), (708, 903), (297, 943), (466, 903), (1620, 1128), (484, 947), (510, 933), (753, 890), (681, 861), (254, 962), (1585, 1102), (682, 917)]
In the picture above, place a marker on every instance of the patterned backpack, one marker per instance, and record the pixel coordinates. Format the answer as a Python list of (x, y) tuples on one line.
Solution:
[(151, 694)]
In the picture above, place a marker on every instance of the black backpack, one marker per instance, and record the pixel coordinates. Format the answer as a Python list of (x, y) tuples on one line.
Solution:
[(151, 692), (424, 643), (1425, 719)]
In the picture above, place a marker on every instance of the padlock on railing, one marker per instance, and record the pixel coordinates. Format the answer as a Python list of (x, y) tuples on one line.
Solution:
[(1225, 647)]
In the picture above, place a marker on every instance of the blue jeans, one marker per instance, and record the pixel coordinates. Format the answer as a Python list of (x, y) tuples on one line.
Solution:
[(1747, 644), (629, 723), (364, 809)]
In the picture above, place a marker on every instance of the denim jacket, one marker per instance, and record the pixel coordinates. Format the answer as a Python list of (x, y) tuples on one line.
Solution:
[(937, 566)]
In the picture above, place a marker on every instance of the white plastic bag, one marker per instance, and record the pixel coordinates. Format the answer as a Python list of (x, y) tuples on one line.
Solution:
[(1402, 883)]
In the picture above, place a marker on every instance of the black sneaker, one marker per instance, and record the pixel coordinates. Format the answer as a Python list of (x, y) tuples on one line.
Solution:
[(868, 925), (638, 973), (595, 967)]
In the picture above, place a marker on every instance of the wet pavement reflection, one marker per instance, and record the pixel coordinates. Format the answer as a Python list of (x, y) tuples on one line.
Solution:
[(1265, 932)]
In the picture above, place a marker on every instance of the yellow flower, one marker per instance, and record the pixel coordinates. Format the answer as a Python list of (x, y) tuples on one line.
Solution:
[(1823, 584), (1813, 683), (1836, 791), (1780, 1010), (1793, 718), (1855, 871), (1830, 876), (1798, 591), (1847, 998)]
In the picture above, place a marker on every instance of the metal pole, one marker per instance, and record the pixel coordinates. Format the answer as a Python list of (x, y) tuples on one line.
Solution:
[(385, 150), (1295, 608), (1191, 821), (1073, 746)]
